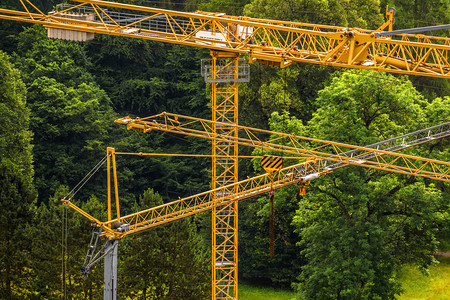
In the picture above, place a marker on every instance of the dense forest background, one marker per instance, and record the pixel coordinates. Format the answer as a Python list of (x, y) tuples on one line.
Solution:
[(345, 239)]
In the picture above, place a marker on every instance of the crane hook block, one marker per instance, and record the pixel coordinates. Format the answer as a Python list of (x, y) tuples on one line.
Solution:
[(302, 185), (272, 164)]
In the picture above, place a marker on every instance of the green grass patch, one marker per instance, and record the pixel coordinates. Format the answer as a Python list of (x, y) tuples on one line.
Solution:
[(250, 292), (416, 285), (419, 286)]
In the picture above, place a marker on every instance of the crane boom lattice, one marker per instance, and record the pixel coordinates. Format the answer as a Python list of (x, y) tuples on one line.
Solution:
[(271, 42), (295, 145), (260, 184)]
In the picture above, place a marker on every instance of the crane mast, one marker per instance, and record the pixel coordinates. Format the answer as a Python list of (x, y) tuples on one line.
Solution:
[(271, 42), (227, 195), (224, 80)]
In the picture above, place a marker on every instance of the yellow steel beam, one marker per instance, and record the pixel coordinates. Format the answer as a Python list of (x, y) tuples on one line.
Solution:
[(293, 144), (267, 41), (183, 207), (241, 190), (218, 197)]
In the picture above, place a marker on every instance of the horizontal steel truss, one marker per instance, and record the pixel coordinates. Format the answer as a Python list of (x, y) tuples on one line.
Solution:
[(244, 189), (257, 185), (295, 145), (272, 42)]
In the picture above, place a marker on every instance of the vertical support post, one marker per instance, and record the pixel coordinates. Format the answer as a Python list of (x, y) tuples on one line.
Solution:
[(225, 171), (110, 270), (271, 218), (108, 181), (116, 186), (112, 156), (390, 15)]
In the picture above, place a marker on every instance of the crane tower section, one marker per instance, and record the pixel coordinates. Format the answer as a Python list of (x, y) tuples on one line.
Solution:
[(224, 71)]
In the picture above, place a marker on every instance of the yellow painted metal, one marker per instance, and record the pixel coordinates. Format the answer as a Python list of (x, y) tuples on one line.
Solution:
[(224, 172), (267, 41), (183, 207), (92, 219), (116, 184), (271, 163), (294, 145), (108, 181), (112, 156), (196, 155), (218, 197)]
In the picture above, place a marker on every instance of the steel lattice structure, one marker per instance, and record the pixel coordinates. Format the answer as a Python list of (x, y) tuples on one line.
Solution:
[(267, 41), (297, 173), (270, 42), (292, 144)]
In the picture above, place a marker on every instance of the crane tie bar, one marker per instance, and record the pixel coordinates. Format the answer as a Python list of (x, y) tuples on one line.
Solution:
[(86, 178)]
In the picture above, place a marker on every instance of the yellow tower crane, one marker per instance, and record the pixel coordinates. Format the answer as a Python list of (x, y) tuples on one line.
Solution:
[(270, 42), (322, 158)]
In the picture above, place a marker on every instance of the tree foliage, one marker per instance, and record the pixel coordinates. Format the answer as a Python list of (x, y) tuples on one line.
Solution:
[(354, 228), (256, 263), (294, 89), (17, 194), (168, 262), (361, 107), (359, 226), (70, 115), (363, 14)]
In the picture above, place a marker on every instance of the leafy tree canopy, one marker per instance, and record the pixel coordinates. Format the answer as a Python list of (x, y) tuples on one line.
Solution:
[(363, 14), (70, 114), (359, 226), (361, 107), (169, 262), (17, 193)]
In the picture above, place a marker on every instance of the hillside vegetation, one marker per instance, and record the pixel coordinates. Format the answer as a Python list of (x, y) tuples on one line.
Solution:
[(349, 237)]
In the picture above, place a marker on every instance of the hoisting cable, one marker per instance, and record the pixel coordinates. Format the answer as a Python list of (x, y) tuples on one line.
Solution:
[(272, 164), (86, 178)]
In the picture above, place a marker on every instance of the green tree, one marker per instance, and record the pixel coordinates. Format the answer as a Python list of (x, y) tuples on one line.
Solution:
[(412, 14), (358, 226), (295, 88), (145, 78), (167, 262), (71, 117), (255, 262), (230, 7), (363, 14), (56, 228), (362, 107), (17, 194)]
